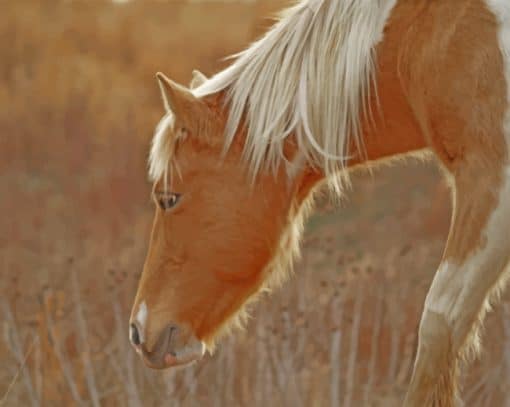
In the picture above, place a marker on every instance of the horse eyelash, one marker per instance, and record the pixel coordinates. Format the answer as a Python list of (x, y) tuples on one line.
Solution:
[(168, 201)]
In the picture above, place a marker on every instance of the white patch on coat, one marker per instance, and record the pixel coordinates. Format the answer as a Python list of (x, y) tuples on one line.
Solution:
[(141, 318), (457, 286), (501, 10)]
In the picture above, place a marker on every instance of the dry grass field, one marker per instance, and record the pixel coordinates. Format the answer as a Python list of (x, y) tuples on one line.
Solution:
[(78, 104)]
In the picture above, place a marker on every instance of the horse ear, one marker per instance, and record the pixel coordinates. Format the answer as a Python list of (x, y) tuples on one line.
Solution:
[(176, 98), (198, 78)]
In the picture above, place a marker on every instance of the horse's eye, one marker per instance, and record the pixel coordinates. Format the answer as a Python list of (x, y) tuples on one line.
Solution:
[(168, 201)]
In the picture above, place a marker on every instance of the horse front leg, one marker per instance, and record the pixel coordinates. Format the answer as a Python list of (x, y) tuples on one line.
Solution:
[(475, 258)]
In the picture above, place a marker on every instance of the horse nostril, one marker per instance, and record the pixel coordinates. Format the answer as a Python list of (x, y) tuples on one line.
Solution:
[(134, 336)]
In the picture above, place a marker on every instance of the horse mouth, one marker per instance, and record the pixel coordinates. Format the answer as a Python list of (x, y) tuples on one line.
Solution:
[(167, 353)]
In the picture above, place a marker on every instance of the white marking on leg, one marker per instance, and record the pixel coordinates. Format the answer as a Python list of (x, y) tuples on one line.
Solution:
[(454, 283), (457, 297)]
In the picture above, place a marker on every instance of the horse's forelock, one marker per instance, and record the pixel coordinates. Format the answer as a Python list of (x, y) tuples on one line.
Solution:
[(162, 149)]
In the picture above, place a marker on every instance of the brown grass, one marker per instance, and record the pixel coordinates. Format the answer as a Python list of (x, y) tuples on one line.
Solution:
[(78, 104)]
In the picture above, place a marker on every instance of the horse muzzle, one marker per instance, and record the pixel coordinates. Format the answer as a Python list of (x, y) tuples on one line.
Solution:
[(170, 349)]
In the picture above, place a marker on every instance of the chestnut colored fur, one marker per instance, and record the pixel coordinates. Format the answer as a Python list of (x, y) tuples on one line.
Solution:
[(439, 86)]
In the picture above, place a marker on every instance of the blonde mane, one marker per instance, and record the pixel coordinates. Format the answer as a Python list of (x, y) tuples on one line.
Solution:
[(308, 77)]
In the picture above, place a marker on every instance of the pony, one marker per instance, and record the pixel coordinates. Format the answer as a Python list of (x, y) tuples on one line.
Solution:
[(334, 85)]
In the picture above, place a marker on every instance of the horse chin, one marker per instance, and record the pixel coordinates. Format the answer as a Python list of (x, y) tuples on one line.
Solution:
[(166, 356), (171, 361)]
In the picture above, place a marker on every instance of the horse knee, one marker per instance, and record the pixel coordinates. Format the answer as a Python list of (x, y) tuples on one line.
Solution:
[(434, 327), (435, 337)]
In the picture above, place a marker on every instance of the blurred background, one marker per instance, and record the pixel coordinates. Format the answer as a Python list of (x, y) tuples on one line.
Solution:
[(78, 104)]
